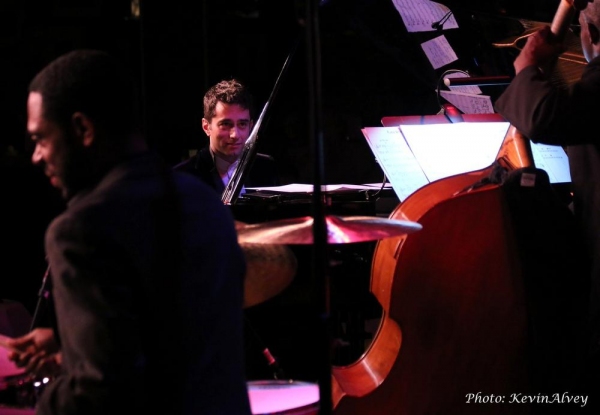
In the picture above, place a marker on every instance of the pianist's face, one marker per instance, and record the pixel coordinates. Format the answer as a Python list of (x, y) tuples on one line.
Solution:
[(228, 130)]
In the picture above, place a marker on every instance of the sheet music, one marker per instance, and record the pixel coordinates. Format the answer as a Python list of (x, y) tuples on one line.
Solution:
[(396, 159), (308, 188), (413, 155), (466, 89), (469, 103), (439, 52), (447, 149), (386, 185), (419, 15), (553, 160)]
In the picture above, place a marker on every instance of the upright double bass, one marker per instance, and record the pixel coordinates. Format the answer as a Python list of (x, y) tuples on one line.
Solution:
[(463, 330), (453, 308)]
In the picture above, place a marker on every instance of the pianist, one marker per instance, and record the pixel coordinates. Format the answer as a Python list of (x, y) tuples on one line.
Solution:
[(228, 122)]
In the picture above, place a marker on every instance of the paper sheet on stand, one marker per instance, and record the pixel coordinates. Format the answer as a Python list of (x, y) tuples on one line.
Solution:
[(553, 160), (439, 52), (469, 103), (396, 159), (447, 149), (419, 15)]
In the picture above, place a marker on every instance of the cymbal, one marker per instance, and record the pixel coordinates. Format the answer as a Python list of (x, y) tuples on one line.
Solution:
[(269, 269), (340, 229)]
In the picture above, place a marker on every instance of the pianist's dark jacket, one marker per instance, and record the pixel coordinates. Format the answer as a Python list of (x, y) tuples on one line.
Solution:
[(262, 173)]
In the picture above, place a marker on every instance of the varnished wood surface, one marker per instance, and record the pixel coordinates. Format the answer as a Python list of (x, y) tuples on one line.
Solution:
[(455, 291)]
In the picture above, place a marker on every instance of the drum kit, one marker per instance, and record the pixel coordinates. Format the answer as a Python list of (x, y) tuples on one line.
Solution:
[(17, 389), (271, 267)]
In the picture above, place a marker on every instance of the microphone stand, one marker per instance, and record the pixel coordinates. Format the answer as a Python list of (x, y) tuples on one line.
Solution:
[(320, 243), (43, 295)]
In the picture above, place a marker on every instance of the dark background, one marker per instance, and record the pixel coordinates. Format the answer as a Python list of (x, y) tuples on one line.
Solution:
[(369, 67)]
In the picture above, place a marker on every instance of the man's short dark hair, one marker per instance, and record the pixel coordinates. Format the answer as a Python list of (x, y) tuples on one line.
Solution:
[(91, 82), (228, 92)]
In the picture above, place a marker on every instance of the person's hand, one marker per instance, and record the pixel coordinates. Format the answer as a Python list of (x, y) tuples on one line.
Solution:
[(37, 352), (541, 50)]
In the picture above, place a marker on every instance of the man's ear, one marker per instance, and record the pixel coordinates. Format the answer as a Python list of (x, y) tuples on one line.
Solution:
[(205, 126), (84, 128)]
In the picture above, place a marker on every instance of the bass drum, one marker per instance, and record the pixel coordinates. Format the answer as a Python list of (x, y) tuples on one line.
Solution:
[(279, 397)]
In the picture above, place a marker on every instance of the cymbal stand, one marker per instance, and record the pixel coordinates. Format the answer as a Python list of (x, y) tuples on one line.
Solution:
[(320, 245)]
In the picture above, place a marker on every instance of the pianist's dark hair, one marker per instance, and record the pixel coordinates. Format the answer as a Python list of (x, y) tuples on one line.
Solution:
[(229, 91)]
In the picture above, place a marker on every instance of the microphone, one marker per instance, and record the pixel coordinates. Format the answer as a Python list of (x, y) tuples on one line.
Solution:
[(478, 80), (439, 25), (278, 373), (273, 364)]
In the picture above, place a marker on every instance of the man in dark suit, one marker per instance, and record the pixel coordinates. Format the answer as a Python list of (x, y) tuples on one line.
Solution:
[(554, 114), (145, 268), (228, 122)]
